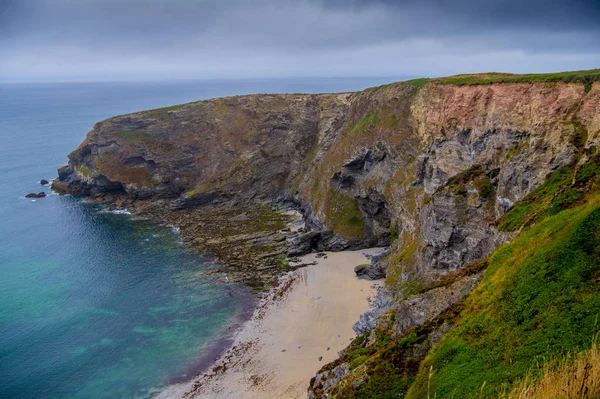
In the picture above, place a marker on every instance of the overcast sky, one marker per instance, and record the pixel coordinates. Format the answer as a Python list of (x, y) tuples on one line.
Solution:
[(57, 40)]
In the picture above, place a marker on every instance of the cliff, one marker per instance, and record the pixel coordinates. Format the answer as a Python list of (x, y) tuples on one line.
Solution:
[(429, 167)]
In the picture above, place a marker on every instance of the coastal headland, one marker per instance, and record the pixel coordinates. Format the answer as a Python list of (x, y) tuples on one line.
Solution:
[(481, 185)]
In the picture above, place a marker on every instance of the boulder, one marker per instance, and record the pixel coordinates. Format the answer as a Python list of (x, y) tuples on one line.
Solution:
[(43, 182), (376, 269)]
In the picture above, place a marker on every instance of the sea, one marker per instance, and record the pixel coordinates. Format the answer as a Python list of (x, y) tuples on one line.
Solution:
[(96, 303)]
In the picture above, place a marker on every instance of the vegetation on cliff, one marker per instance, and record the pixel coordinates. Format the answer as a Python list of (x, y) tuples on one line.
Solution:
[(539, 299), (575, 376), (562, 190), (587, 78), (538, 302)]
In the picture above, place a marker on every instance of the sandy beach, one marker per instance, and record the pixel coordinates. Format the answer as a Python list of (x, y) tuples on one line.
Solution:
[(297, 328)]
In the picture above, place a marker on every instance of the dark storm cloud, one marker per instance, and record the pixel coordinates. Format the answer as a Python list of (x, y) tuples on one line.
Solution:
[(153, 38), (562, 14)]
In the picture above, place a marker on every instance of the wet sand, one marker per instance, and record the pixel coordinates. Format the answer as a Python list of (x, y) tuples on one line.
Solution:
[(275, 354)]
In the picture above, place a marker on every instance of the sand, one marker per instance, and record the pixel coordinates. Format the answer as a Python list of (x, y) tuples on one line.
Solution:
[(276, 353)]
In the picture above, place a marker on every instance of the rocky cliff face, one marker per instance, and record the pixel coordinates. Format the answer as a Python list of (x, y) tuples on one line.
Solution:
[(430, 166), (230, 149), (424, 167)]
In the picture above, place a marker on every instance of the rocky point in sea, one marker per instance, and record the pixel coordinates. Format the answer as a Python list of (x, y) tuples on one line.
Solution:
[(36, 195)]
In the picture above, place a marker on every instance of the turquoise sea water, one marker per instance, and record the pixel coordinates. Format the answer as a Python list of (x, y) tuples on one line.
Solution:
[(96, 304)]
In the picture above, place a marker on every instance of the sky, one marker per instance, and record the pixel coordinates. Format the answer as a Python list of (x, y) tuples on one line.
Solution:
[(101, 40)]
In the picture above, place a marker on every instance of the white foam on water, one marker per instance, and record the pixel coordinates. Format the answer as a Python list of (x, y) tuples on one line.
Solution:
[(116, 211), (120, 212)]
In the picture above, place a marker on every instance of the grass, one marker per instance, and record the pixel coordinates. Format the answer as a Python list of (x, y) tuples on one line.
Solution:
[(378, 362), (587, 78), (83, 170), (386, 367), (364, 125), (418, 83), (539, 299), (283, 262), (343, 215), (137, 136), (478, 177), (571, 377), (563, 189)]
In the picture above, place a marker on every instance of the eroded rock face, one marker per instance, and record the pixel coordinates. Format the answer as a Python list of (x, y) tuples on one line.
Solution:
[(479, 150), (432, 167), (237, 148), (417, 310)]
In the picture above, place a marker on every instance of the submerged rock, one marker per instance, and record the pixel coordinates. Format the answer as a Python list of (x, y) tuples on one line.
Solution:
[(34, 195)]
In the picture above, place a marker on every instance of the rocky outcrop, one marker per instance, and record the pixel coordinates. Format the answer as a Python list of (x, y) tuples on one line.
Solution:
[(375, 269), (417, 310), (34, 195)]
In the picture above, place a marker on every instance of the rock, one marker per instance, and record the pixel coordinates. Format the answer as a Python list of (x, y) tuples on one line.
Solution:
[(43, 182), (417, 310), (372, 338), (320, 358), (278, 238), (371, 272), (304, 244), (368, 320), (374, 270), (34, 195), (328, 379)]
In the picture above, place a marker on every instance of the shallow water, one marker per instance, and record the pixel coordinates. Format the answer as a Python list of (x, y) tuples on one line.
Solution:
[(96, 304)]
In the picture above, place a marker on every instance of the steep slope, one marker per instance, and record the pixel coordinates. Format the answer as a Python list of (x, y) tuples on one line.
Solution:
[(219, 149), (538, 299), (430, 167)]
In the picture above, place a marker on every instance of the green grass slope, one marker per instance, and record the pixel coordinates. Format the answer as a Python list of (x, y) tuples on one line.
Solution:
[(539, 299), (586, 77)]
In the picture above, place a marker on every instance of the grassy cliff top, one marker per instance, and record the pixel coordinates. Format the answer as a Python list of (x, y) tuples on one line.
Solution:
[(586, 77)]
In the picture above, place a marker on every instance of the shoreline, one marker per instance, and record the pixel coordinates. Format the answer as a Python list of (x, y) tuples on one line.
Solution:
[(296, 328), (216, 347), (248, 360), (248, 242)]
